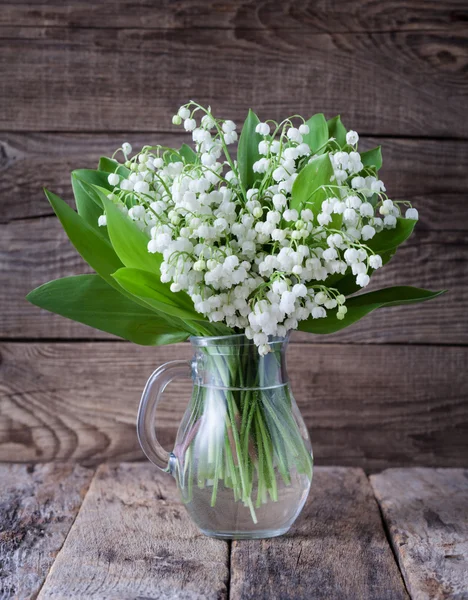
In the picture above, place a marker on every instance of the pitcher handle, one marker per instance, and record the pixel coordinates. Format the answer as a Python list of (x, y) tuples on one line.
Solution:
[(146, 420)]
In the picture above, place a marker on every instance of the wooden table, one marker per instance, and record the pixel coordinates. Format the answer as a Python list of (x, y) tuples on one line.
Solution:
[(120, 532)]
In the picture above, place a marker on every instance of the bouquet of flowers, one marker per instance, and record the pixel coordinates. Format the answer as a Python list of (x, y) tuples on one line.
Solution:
[(195, 242), (192, 242)]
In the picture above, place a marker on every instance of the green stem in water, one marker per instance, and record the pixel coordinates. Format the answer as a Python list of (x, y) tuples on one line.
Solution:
[(261, 445)]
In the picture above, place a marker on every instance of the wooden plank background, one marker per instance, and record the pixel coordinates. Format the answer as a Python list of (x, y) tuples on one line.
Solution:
[(80, 77)]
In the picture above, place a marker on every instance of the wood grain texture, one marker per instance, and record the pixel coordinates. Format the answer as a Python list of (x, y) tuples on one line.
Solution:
[(34, 251), (134, 539), (38, 505), (430, 173), (426, 512), (371, 406), (336, 549), (325, 15), (83, 79)]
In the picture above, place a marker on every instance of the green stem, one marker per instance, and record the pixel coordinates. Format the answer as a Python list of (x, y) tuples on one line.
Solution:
[(261, 445), (268, 448)]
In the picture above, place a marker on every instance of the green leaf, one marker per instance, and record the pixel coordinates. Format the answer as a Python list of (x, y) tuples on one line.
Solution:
[(362, 305), (337, 130), (130, 244), (109, 165), (91, 177), (394, 296), (318, 132), (247, 151), (93, 247), (306, 189), (88, 203), (188, 154), (90, 300), (391, 238), (372, 158), (148, 286), (87, 208)]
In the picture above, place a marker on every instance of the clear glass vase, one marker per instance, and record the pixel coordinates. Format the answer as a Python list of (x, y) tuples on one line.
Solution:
[(242, 459)]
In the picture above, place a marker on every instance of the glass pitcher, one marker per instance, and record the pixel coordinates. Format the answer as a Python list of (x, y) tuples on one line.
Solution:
[(242, 459)]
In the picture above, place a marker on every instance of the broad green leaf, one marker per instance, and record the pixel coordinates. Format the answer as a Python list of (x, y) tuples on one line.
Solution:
[(148, 286), (188, 154), (92, 246), (90, 300), (95, 249), (93, 191), (318, 133), (391, 238), (372, 158), (88, 203), (394, 296), (307, 189), (362, 305), (130, 244), (86, 207), (247, 151), (109, 165), (337, 130), (93, 177)]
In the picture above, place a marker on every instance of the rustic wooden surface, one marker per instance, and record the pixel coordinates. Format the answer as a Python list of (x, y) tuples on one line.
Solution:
[(133, 538), (271, 69), (38, 505), (79, 77), (327, 15), (426, 512), (336, 549), (375, 405)]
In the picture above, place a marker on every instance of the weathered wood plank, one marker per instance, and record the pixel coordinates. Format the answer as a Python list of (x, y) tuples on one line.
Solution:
[(134, 539), (328, 15), (429, 172), (337, 549), (84, 79), (38, 505), (37, 250), (426, 512), (370, 406), (29, 252)]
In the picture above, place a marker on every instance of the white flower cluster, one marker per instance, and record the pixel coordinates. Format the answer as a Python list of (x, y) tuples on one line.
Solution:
[(243, 255)]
